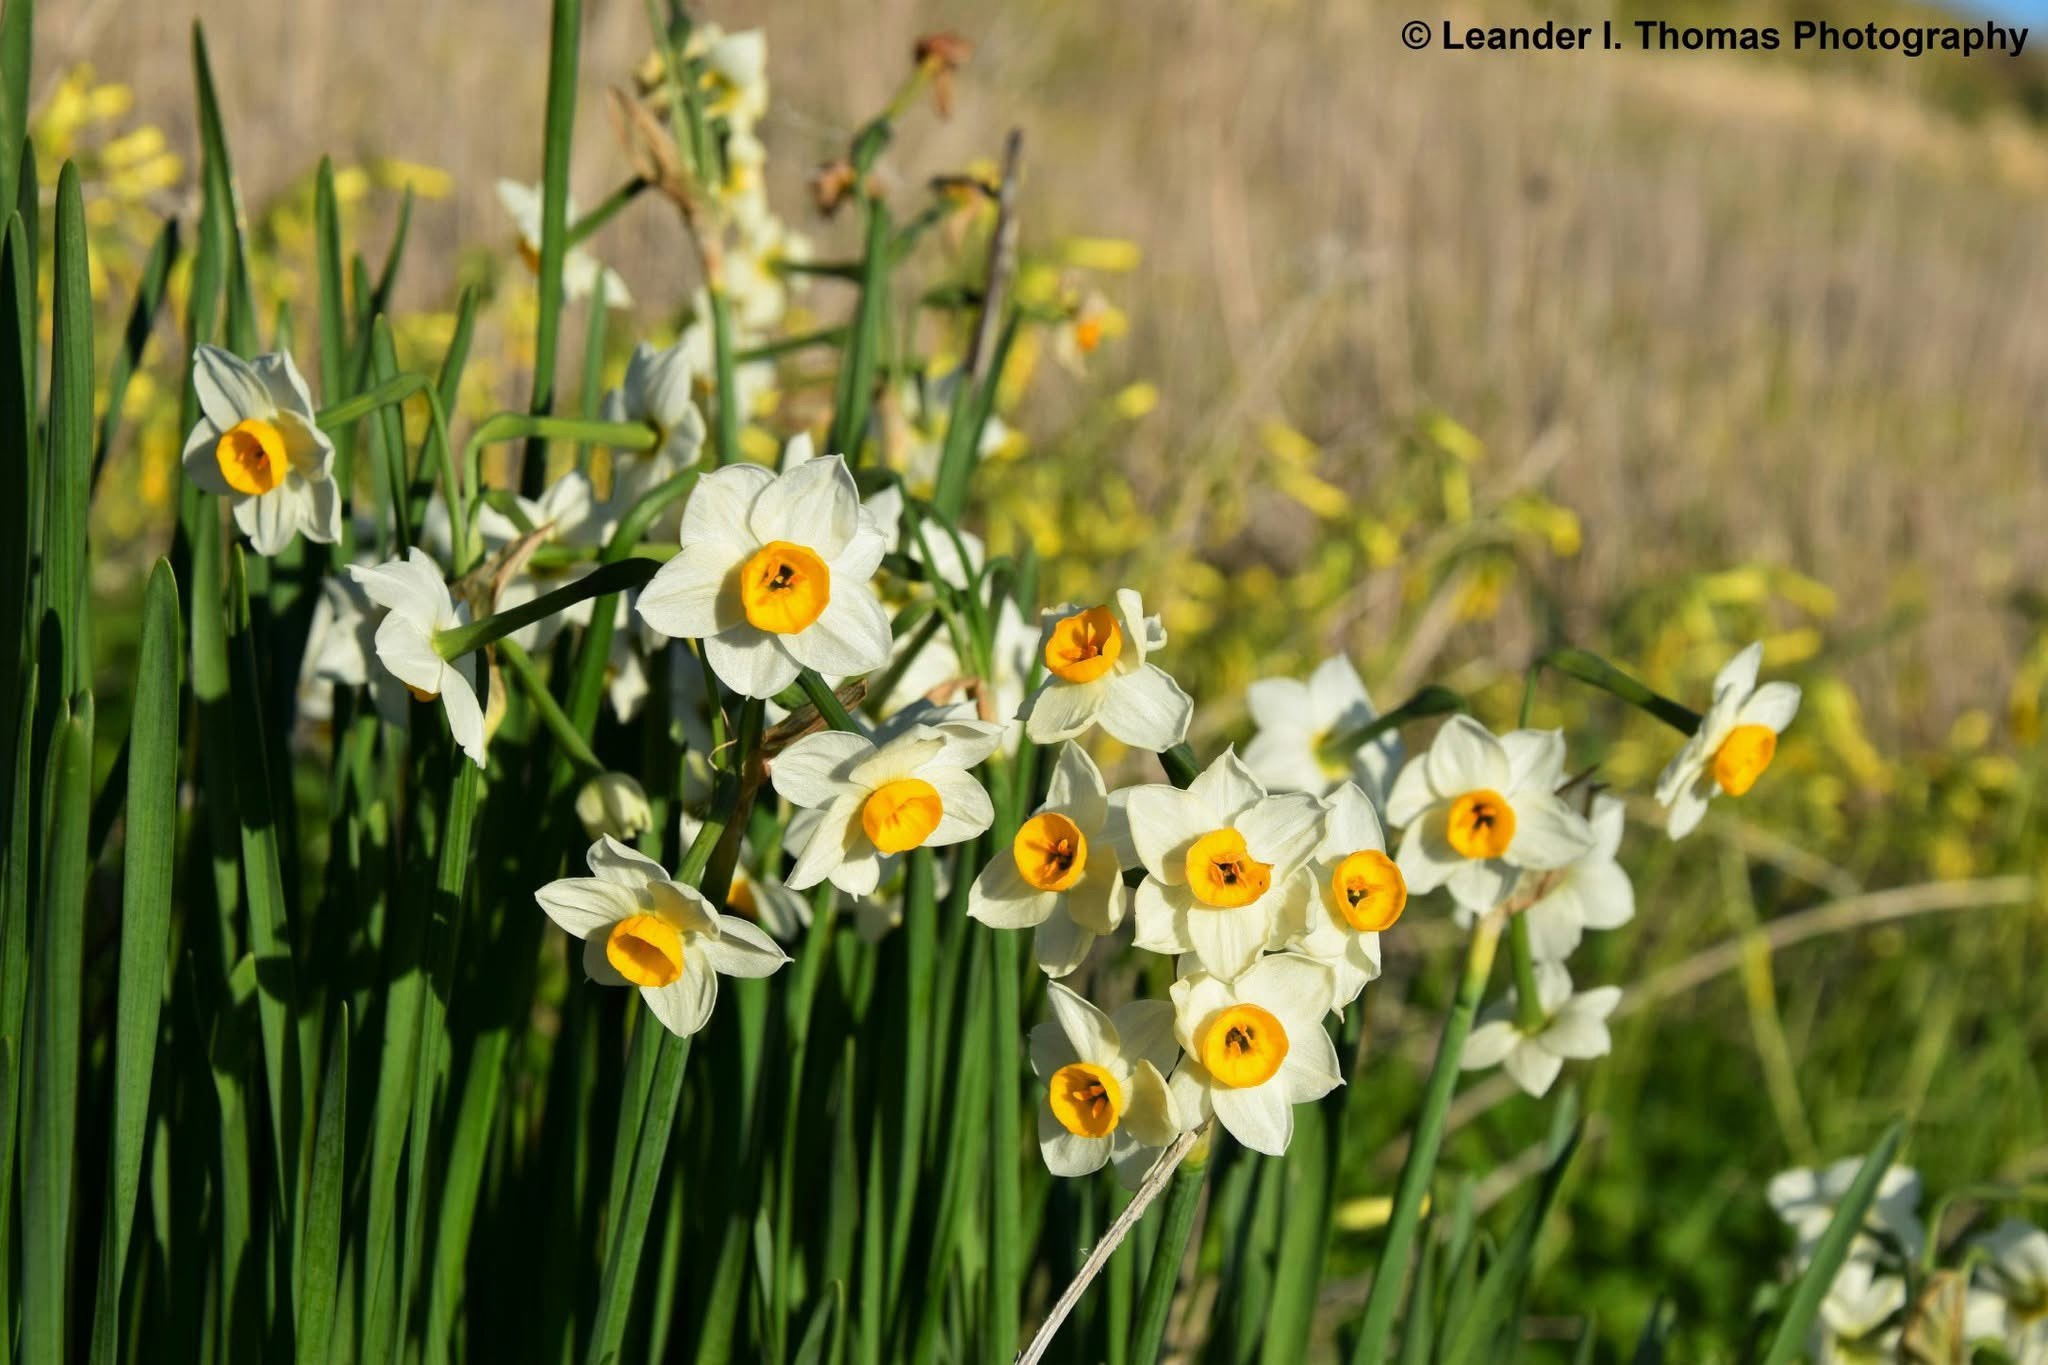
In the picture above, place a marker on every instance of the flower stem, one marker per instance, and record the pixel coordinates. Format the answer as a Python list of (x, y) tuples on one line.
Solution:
[(1430, 701), (1417, 1170), (521, 665), (828, 705), (1595, 671), (1180, 765), (1182, 1201), (619, 576), (1529, 1018)]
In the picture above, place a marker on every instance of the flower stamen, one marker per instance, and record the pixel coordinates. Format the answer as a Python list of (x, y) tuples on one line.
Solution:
[(1084, 646), (1051, 852), (784, 587), (1481, 824), (1086, 1099), (1242, 1046)]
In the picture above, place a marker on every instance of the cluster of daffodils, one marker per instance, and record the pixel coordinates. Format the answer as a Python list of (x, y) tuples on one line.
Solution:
[(1881, 1300)]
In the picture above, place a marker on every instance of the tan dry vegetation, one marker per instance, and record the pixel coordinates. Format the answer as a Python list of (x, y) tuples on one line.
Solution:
[(1741, 311)]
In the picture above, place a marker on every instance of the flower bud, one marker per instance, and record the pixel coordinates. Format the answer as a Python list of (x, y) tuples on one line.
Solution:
[(614, 804)]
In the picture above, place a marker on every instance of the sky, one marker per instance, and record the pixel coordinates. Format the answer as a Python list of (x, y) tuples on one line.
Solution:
[(2008, 11)]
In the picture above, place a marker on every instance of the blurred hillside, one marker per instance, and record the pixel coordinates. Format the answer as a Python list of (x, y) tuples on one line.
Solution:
[(1776, 310)]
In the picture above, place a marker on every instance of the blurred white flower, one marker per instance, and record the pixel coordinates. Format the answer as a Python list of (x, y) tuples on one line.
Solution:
[(1852, 1326), (1574, 1028), (1220, 862), (1105, 1096), (1806, 1200), (1356, 891), (341, 640), (417, 606), (1478, 810), (1255, 1047), (860, 804), (614, 805), (257, 445), (773, 577), (1297, 721), (1735, 743), (567, 514), (1591, 893), (1061, 875), (580, 270), (658, 389), (641, 929), (784, 913), (2017, 1274), (1097, 674)]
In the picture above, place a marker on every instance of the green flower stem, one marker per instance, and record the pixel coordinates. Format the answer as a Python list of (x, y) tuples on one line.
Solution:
[(828, 705), (590, 222), (725, 376), (396, 390), (521, 665), (1181, 767), (1430, 701), (1183, 1199), (1528, 1005), (782, 346), (618, 576), (565, 556), (1417, 1170), (1595, 671)]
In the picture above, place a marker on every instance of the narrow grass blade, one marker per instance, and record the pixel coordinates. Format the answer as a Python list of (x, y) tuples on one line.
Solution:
[(1490, 1326), (319, 1256), (1183, 1199), (50, 1154), (70, 439), (146, 870), (219, 177), (17, 51), (564, 40), (1832, 1250)]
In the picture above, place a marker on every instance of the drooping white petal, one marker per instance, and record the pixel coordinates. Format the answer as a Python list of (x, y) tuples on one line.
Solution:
[(1535, 759), (1146, 709), (1489, 1044), (465, 712), (1773, 705), (404, 649), (1282, 830), (740, 949), (1737, 677), (1065, 1153), (1258, 1116), (750, 662), (1002, 899), (1061, 710), (684, 1005), (1059, 945), (409, 587), (1534, 1069), (825, 842), (620, 865), (229, 389), (1159, 915)]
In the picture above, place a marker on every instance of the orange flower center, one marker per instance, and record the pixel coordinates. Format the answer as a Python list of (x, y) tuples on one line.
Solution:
[(1242, 1046), (1369, 891), (1051, 852), (902, 814), (1222, 874), (251, 457), (645, 949), (1482, 824), (1086, 1099), (1084, 646), (784, 587), (1743, 756)]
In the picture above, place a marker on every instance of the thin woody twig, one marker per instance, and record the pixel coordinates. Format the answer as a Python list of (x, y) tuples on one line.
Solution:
[(1155, 1181)]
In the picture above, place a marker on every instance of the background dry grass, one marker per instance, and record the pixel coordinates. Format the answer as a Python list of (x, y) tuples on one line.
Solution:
[(1734, 310)]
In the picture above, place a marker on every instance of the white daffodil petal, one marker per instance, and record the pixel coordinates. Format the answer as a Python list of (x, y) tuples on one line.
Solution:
[(1533, 1069), (695, 594), (750, 662), (1548, 833), (1164, 821), (684, 1005), (741, 949), (229, 389), (1489, 1044), (1147, 709), (1062, 710), (1002, 899), (1772, 705), (813, 504), (850, 636), (1160, 916), (1058, 945), (583, 906), (816, 769), (1259, 1116), (1466, 757)]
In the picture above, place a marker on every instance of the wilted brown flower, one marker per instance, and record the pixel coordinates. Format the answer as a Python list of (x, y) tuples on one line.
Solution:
[(831, 184), (941, 54)]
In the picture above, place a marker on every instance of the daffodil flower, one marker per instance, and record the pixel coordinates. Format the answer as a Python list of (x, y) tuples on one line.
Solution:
[(257, 445), (1574, 1028), (1806, 1199), (1735, 743), (736, 65), (1220, 862), (1298, 720), (1105, 1097), (1060, 874), (660, 390), (580, 270), (1357, 892), (614, 805), (417, 606), (773, 577), (1255, 1047), (861, 804), (2016, 1307), (641, 929), (1096, 674), (1591, 893), (1856, 1324), (341, 639), (1477, 811)]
